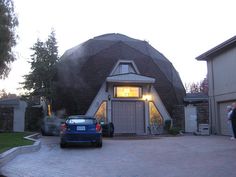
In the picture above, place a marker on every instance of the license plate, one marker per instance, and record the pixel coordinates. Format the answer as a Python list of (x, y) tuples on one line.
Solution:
[(80, 128)]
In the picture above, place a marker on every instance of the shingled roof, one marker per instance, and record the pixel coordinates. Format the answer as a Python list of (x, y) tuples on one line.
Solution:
[(84, 68)]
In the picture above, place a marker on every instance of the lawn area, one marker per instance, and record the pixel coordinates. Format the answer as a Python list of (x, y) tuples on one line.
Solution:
[(10, 140)]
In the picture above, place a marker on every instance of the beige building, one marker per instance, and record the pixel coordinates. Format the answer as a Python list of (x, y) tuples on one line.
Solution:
[(221, 66)]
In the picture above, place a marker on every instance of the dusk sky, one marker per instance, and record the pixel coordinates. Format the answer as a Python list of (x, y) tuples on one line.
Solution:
[(181, 30)]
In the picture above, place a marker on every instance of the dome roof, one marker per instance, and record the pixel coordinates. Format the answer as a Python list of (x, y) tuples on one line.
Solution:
[(84, 68)]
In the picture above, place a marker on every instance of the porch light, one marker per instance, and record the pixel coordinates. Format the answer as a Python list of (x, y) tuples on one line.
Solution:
[(49, 110), (147, 97)]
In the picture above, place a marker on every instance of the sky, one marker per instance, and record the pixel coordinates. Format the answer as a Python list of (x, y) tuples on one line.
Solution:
[(181, 30)]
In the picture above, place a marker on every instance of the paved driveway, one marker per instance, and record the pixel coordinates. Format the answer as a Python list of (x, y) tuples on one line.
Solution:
[(185, 156)]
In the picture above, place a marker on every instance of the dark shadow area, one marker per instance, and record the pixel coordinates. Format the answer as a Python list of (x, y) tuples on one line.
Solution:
[(81, 146)]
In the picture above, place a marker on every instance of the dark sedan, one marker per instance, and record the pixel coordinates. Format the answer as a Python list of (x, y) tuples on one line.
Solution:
[(81, 129)]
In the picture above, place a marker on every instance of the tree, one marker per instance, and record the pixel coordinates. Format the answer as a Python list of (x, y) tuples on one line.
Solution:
[(204, 86), (43, 62), (4, 94), (8, 23), (198, 87)]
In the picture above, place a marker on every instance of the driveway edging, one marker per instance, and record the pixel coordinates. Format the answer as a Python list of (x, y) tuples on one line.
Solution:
[(7, 156)]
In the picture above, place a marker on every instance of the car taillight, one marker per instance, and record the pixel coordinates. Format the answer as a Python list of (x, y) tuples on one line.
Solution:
[(98, 128), (63, 127)]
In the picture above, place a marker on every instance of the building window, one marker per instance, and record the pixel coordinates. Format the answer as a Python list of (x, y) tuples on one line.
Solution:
[(155, 118), (101, 114), (127, 92), (124, 68)]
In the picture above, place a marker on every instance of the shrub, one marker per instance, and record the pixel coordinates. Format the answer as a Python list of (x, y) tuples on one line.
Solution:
[(33, 118), (174, 131), (167, 125)]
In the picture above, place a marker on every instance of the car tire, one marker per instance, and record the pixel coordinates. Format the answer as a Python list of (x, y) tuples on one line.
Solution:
[(111, 130), (43, 132), (99, 144), (62, 145)]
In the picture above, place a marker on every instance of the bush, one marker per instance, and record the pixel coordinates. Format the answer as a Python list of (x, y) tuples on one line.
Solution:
[(167, 125), (174, 131), (33, 118)]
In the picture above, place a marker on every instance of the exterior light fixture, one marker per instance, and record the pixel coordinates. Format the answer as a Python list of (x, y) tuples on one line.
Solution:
[(109, 97), (147, 97), (49, 110)]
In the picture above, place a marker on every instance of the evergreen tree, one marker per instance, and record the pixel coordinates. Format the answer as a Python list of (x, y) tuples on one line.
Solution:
[(43, 62), (8, 23)]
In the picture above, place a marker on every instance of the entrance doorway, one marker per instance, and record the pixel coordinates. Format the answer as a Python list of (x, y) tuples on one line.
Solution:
[(128, 117)]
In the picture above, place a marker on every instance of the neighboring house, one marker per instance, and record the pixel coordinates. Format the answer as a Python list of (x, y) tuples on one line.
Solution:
[(196, 111), (121, 80), (221, 66), (12, 114)]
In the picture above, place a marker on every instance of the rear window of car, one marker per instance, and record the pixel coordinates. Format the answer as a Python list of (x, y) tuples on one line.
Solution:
[(81, 121)]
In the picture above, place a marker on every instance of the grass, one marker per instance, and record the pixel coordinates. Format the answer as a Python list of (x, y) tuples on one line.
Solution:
[(10, 140)]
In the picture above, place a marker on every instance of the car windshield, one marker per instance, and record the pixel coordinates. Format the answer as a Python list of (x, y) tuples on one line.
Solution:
[(80, 121)]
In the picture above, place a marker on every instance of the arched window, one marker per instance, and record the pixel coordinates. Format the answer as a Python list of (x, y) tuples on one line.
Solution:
[(101, 114)]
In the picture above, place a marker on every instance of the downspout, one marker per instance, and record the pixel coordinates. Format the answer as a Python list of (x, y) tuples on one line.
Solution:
[(213, 98)]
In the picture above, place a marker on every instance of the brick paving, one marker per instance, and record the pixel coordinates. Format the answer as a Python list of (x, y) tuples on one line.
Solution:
[(183, 156)]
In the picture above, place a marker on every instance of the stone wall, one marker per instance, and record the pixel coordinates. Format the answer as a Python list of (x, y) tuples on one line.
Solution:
[(202, 113), (178, 116)]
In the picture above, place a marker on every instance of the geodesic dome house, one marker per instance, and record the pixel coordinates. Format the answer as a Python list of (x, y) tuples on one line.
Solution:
[(121, 80)]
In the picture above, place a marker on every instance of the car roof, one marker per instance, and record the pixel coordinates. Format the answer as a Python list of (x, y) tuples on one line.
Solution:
[(80, 117)]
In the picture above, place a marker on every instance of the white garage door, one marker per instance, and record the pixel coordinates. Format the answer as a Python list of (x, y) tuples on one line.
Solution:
[(224, 126), (128, 117)]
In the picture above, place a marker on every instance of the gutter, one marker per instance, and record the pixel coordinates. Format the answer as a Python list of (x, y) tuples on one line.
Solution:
[(218, 49)]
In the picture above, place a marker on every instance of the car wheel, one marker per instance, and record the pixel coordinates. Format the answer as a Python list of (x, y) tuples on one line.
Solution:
[(43, 132), (62, 145), (99, 144), (111, 133), (111, 130)]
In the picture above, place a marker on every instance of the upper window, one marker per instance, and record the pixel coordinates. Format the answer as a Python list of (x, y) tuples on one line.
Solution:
[(124, 68), (127, 92)]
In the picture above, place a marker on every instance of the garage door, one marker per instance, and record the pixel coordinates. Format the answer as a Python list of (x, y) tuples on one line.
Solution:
[(128, 117), (224, 126)]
